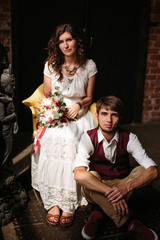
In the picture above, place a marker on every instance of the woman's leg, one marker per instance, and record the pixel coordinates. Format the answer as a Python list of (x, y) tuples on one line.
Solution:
[(68, 218), (55, 211)]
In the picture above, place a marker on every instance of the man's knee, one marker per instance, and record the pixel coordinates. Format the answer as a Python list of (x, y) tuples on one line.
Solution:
[(96, 174), (137, 171), (88, 194)]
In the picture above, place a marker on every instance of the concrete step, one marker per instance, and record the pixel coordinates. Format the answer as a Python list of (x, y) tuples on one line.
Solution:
[(22, 161)]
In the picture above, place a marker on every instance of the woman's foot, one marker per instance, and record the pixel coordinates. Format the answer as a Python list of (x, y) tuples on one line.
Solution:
[(53, 215), (66, 219)]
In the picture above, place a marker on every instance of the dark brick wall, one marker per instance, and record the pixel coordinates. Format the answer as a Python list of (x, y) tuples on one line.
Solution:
[(5, 26), (151, 104)]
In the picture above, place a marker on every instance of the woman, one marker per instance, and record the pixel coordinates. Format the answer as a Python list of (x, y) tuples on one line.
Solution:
[(68, 68)]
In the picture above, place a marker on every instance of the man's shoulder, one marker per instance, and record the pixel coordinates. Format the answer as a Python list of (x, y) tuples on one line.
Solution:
[(92, 131)]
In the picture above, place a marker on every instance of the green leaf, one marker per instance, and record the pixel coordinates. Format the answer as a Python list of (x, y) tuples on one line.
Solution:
[(50, 94), (56, 115), (57, 88)]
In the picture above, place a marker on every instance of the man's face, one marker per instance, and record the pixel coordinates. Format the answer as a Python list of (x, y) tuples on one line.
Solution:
[(107, 120)]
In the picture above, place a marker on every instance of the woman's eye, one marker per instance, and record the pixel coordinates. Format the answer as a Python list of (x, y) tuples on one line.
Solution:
[(69, 39)]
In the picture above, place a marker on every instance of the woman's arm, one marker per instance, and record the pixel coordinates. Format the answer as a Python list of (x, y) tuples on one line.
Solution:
[(89, 92), (75, 108), (46, 86)]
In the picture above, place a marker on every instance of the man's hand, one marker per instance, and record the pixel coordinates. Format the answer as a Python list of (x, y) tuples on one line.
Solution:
[(121, 207), (117, 193)]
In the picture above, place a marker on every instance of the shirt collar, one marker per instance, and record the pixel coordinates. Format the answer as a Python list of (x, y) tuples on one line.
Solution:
[(102, 138)]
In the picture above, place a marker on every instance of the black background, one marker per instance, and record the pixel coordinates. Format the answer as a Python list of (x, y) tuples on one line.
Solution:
[(116, 38)]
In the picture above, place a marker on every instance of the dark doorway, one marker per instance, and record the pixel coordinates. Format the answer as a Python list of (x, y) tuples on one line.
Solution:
[(117, 36), (112, 29)]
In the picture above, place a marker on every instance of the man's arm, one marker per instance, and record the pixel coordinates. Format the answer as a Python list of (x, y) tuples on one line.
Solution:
[(144, 179), (89, 181), (150, 173)]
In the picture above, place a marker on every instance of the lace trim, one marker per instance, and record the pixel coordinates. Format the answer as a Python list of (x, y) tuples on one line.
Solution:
[(66, 199)]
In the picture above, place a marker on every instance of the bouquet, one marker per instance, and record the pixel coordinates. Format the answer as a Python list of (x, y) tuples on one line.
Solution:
[(51, 112)]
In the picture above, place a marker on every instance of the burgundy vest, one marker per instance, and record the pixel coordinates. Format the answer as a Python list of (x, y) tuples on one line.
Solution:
[(100, 164)]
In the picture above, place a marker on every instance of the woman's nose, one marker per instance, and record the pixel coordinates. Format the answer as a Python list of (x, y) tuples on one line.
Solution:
[(65, 44)]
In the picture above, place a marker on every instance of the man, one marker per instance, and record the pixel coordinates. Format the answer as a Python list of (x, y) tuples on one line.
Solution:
[(102, 168)]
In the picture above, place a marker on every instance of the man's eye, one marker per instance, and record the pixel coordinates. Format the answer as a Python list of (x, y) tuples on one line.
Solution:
[(115, 115)]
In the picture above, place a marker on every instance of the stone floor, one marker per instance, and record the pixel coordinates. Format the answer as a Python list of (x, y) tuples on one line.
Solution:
[(31, 224)]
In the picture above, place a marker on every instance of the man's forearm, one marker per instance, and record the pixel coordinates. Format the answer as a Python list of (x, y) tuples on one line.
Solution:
[(118, 192), (144, 179), (89, 181)]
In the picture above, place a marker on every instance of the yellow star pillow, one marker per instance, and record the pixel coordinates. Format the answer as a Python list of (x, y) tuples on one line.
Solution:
[(32, 102)]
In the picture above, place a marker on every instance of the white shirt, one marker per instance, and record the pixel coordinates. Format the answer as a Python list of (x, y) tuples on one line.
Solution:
[(134, 147)]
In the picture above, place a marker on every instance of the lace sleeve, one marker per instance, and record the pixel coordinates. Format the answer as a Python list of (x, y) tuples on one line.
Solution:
[(47, 70), (91, 67)]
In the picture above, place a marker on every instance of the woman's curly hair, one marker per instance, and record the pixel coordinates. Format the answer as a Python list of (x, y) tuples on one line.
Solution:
[(55, 56)]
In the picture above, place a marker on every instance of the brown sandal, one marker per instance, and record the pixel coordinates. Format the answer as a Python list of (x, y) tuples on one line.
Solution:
[(52, 222), (71, 218)]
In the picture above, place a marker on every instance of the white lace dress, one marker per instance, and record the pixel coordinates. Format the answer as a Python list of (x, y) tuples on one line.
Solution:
[(52, 172)]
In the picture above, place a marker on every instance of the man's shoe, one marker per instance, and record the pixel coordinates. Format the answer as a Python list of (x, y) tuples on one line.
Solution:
[(91, 228), (141, 231)]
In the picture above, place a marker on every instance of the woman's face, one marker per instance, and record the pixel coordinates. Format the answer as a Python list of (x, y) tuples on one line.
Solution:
[(67, 44)]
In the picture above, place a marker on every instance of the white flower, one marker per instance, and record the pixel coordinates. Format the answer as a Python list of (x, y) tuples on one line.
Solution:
[(46, 102), (52, 110), (46, 116)]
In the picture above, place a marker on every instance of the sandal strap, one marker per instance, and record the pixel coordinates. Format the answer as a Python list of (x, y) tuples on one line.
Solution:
[(67, 217), (51, 215)]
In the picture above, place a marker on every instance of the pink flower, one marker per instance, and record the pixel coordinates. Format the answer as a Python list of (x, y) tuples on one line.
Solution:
[(47, 107), (57, 104), (50, 120)]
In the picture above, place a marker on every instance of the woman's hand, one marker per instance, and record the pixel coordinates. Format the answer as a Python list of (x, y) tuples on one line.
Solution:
[(73, 111)]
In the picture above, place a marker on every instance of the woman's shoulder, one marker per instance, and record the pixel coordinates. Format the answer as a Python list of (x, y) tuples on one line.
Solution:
[(91, 67), (90, 62), (48, 69)]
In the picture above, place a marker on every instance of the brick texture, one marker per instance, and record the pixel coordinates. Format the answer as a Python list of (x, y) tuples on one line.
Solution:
[(151, 103), (5, 26)]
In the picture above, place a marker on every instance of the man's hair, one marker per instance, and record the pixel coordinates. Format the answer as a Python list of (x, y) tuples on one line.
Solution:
[(112, 102)]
